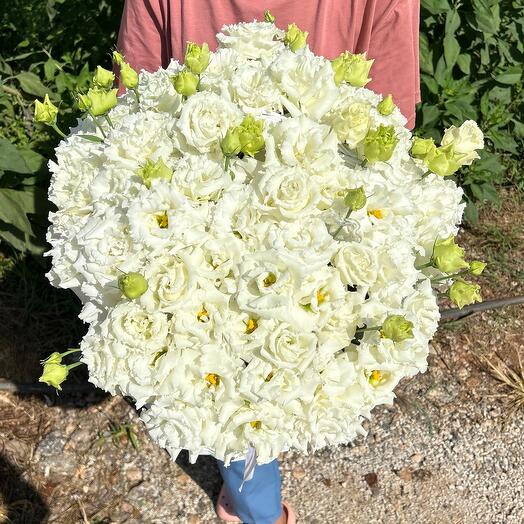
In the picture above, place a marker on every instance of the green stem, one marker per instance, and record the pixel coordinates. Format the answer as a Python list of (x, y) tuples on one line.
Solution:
[(342, 225), (96, 122), (109, 121), (446, 277), (374, 328), (226, 164), (69, 351), (427, 264), (58, 130), (76, 364), (137, 95)]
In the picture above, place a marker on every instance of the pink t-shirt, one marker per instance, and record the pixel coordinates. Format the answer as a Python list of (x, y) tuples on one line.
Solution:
[(154, 31)]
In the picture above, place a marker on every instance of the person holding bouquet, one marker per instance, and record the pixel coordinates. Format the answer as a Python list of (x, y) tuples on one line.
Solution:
[(155, 31)]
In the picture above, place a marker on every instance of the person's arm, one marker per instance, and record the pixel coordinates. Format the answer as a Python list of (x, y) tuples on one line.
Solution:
[(393, 43), (142, 36)]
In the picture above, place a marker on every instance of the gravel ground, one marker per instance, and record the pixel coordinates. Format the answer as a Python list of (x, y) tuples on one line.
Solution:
[(438, 455)]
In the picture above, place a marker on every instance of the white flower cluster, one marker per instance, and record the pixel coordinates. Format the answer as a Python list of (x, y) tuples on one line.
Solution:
[(259, 281)]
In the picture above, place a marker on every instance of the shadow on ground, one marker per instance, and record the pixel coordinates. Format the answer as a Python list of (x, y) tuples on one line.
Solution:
[(20, 503)]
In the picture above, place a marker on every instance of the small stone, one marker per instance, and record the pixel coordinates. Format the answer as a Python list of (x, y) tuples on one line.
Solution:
[(405, 474), (298, 473), (472, 382), (193, 519), (417, 458), (371, 479), (183, 479), (133, 475), (327, 482)]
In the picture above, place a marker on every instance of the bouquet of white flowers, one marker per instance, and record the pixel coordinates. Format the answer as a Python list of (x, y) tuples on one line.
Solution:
[(256, 239)]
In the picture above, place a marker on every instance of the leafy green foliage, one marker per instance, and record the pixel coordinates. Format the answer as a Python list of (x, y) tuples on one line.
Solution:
[(48, 47), (471, 56)]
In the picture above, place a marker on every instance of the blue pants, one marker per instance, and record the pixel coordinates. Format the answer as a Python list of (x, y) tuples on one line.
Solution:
[(260, 501)]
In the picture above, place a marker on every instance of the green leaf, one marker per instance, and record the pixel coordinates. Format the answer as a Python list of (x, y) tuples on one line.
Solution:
[(435, 7), (430, 114), (18, 160), (464, 63), (425, 55), (511, 75), (452, 22), (503, 140), (430, 83), (486, 16), (13, 213), (441, 72), (471, 213), (50, 69), (451, 50), (31, 84)]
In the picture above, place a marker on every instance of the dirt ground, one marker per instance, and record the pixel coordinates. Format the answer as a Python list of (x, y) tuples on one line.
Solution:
[(445, 452)]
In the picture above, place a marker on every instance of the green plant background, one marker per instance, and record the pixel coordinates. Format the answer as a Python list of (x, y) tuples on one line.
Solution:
[(471, 55)]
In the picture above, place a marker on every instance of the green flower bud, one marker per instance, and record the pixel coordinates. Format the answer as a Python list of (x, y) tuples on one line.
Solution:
[(128, 76), (295, 38), (353, 69), (54, 374), (98, 101), (386, 106), (103, 78), (463, 293), (268, 17), (197, 57), (423, 148), (477, 267), (45, 112), (250, 136), (447, 256), (355, 199), (152, 170), (230, 144), (53, 358), (118, 58), (443, 162), (133, 285), (397, 328), (185, 83), (379, 144)]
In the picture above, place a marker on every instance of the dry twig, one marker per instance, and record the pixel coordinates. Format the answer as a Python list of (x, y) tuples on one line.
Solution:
[(511, 381)]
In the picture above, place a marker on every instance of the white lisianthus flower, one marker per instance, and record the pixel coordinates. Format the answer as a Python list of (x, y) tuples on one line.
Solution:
[(200, 177), (205, 119), (254, 40), (465, 139), (357, 264), (286, 193), (302, 142), (351, 121), (299, 75), (134, 326), (253, 90)]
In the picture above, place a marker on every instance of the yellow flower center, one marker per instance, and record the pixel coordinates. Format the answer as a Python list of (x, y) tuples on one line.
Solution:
[(321, 297), (255, 424), (377, 213), (212, 379), (162, 220), (270, 279), (203, 315), (375, 378), (269, 377), (251, 325)]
